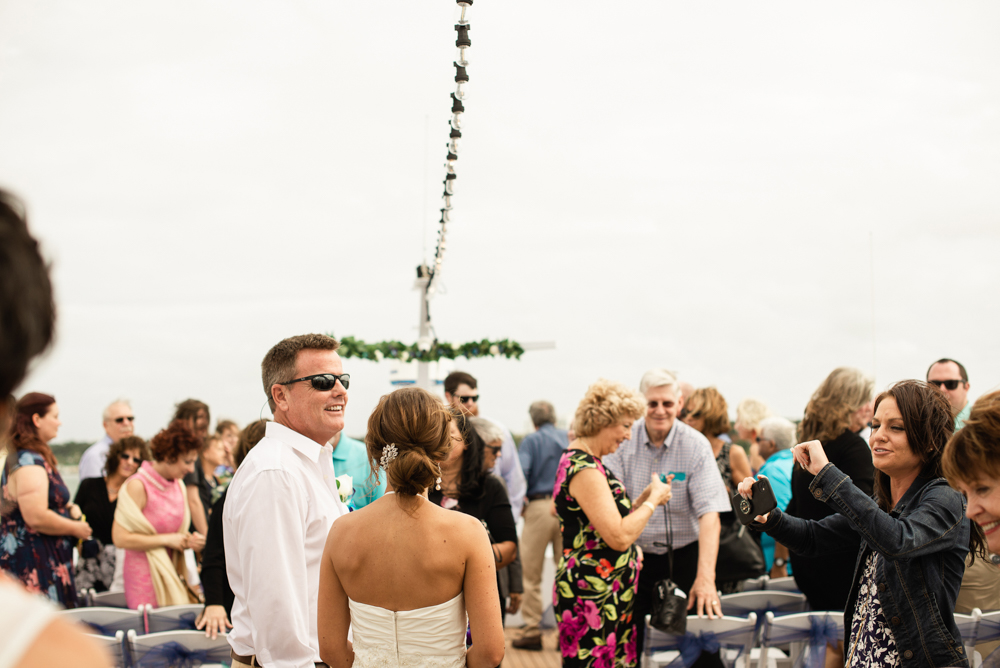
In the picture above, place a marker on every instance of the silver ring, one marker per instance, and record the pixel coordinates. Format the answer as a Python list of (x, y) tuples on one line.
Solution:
[(715, 603)]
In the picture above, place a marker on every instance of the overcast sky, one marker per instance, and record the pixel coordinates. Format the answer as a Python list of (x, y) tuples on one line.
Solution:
[(749, 194)]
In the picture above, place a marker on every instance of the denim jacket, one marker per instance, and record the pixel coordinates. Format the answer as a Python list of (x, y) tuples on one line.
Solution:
[(922, 545)]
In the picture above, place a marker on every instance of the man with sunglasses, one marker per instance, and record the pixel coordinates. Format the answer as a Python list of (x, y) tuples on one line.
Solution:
[(460, 392), (660, 443), (281, 504), (119, 422), (951, 379)]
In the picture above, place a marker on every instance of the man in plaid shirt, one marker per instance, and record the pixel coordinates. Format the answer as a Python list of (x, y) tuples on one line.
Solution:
[(660, 443)]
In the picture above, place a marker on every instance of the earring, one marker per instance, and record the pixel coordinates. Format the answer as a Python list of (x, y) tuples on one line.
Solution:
[(437, 484)]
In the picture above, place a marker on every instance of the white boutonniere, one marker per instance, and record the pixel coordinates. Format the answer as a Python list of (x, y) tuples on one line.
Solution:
[(345, 486)]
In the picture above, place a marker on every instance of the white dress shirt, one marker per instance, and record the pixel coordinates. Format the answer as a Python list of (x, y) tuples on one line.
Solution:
[(508, 467), (279, 509), (94, 458)]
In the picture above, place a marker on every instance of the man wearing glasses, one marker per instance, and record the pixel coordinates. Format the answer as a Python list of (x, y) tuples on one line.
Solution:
[(118, 423), (460, 391), (660, 443), (281, 504), (950, 378)]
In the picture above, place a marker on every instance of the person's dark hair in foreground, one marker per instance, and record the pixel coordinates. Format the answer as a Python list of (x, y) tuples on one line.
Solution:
[(27, 323), (911, 541)]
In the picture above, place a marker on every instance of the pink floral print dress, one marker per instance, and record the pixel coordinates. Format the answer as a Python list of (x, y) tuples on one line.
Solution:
[(595, 585)]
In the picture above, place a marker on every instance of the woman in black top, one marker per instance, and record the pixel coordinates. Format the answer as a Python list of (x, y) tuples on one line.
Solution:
[(468, 488), (214, 581), (837, 411), (97, 498)]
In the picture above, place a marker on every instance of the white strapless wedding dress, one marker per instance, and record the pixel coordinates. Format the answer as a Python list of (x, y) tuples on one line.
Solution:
[(431, 637)]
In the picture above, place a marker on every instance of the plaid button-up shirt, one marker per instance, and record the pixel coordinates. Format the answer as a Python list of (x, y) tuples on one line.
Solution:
[(702, 491)]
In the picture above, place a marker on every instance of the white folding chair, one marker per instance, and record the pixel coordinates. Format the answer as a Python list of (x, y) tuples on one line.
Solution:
[(171, 618), (105, 621), (987, 631), (176, 648), (781, 584), (755, 584), (968, 626), (109, 599), (113, 646), (734, 636), (805, 633), (763, 601)]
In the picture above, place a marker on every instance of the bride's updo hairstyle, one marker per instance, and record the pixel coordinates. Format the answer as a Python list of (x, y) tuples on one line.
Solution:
[(416, 422)]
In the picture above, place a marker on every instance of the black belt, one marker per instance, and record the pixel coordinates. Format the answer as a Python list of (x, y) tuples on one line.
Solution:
[(538, 497), (249, 660)]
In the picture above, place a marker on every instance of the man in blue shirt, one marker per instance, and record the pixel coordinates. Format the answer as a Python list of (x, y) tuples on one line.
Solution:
[(350, 457), (777, 436), (540, 453)]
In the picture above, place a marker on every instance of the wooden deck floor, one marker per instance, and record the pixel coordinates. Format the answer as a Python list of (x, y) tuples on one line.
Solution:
[(522, 658)]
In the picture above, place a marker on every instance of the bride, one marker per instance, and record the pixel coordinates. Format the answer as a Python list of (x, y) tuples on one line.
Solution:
[(402, 573)]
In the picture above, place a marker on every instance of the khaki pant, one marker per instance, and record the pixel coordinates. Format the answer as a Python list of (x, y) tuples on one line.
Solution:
[(541, 528)]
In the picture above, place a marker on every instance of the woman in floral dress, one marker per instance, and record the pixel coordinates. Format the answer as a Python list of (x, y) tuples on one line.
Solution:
[(599, 569), (39, 530)]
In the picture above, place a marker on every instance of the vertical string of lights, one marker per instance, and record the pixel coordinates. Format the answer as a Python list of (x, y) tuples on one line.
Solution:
[(457, 109)]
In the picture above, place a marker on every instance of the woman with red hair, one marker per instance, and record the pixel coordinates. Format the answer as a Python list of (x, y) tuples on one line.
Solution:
[(41, 525)]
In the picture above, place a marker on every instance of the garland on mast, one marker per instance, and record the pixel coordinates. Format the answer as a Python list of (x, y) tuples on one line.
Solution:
[(436, 350)]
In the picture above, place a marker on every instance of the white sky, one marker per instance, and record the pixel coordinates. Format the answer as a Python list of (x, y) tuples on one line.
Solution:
[(709, 187)]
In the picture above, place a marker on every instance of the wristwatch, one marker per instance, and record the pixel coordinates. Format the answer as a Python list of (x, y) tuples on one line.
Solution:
[(779, 562)]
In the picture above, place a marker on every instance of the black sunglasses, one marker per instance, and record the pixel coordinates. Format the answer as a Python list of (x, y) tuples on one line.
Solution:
[(656, 404), (949, 384), (324, 382), (135, 460), (471, 397), (130, 418), (495, 449)]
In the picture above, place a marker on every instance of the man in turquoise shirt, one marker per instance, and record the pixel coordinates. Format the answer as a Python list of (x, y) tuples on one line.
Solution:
[(350, 457), (777, 436), (951, 379)]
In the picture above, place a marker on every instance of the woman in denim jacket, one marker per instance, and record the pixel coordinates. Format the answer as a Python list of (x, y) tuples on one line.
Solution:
[(911, 540)]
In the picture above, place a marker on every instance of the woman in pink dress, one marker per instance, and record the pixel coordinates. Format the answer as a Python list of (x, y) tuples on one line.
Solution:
[(157, 491)]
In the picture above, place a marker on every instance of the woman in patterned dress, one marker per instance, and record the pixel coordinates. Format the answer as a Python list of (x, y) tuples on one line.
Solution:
[(599, 569), (38, 532), (911, 540)]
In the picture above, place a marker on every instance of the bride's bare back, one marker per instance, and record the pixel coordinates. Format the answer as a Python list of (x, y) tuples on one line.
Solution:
[(405, 553)]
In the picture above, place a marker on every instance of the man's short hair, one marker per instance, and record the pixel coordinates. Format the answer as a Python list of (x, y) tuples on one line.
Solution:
[(117, 402), (659, 378), (27, 311), (489, 431), (542, 412), (945, 360), (278, 365), (456, 378), (779, 430)]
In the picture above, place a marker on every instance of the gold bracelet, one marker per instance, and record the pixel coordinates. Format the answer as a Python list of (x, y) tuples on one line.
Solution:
[(651, 507)]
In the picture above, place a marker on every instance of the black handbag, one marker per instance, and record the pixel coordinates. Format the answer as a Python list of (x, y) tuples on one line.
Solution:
[(740, 557), (669, 610)]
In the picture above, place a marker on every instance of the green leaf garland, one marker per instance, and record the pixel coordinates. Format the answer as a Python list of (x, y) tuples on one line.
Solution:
[(397, 350)]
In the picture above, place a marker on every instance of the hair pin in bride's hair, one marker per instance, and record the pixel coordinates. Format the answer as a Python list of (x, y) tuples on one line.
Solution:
[(389, 453)]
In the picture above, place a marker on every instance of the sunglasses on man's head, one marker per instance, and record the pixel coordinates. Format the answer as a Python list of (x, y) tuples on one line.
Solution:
[(949, 384), (469, 397), (120, 420), (324, 382), (135, 460)]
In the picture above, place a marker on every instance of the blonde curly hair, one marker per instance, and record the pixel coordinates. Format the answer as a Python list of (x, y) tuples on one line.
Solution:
[(607, 403)]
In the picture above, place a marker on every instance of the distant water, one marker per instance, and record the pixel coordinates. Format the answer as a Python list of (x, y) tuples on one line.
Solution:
[(70, 476)]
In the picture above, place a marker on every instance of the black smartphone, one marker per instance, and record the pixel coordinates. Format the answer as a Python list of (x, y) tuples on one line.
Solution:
[(761, 502)]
